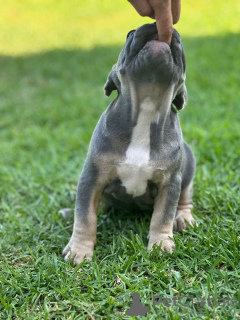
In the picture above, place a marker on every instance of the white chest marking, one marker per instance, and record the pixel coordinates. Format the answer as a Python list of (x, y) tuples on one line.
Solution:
[(135, 171)]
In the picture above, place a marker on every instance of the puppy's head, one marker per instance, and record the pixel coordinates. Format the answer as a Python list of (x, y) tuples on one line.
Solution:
[(145, 60)]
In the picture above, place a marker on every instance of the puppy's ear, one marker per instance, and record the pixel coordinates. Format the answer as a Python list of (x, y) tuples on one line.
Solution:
[(112, 82), (180, 100)]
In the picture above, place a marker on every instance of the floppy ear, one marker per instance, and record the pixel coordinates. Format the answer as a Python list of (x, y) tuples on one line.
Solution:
[(180, 100), (112, 82)]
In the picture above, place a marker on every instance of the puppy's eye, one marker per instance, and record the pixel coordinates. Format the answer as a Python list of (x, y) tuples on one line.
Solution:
[(130, 33)]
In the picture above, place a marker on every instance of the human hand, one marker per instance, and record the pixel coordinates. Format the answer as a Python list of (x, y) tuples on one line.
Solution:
[(166, 13)]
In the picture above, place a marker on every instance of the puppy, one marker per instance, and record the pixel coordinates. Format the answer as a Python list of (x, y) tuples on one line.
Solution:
[(137, 154)]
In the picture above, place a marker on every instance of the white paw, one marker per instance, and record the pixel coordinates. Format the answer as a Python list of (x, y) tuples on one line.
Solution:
[(183, 221), (167, 245), (77, 252), (65, 212)]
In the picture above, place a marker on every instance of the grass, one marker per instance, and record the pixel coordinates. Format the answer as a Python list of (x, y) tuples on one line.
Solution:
[(54, 62)]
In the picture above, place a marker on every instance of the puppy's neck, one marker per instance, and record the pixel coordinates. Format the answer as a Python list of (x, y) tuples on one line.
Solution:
[(149, 101)]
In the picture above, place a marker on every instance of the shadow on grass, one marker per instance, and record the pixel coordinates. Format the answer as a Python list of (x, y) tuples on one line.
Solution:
[(63, 85), (65, 80)]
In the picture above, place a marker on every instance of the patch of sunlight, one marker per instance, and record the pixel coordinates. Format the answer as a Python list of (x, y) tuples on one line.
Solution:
[(40, 25)]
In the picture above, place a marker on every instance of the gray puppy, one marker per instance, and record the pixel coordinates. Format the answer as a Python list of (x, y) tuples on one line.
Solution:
[(137, 154)]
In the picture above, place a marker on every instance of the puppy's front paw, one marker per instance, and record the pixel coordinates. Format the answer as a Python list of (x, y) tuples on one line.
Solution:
[(167, 245), (77, 251), (183, 221)]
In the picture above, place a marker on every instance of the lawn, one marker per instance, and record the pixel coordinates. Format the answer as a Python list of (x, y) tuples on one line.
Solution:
[(54, 60)]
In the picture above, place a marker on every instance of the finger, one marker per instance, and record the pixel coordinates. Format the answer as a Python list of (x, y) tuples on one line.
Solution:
[(176, 10), (164, 20), (143, 8)]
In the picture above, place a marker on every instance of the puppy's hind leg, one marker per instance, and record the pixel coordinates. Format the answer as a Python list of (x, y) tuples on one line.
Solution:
[(184, 218)]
